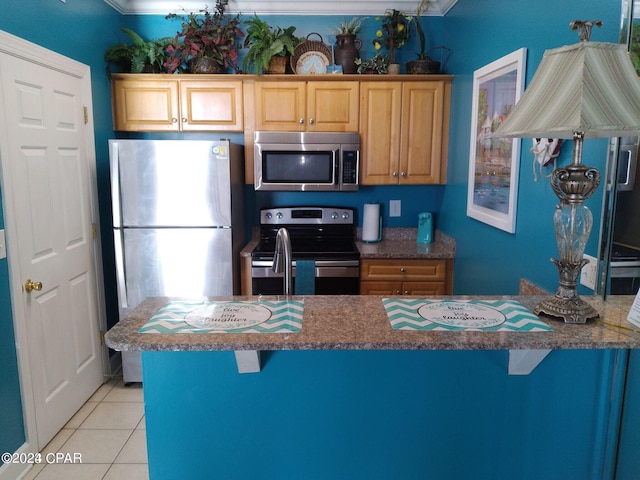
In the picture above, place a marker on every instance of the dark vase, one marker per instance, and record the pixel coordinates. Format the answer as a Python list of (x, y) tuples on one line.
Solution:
[(346, 51), (206, 65)]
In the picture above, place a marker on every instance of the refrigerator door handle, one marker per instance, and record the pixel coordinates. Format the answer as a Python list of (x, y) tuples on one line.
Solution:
[(121, 282), (115, 184)]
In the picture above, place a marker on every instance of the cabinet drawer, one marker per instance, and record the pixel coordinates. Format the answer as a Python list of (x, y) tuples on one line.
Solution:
[(394, 269), (424, 289), (380, 288)]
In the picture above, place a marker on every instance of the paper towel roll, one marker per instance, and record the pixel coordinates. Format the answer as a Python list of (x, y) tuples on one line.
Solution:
[(371, 222)]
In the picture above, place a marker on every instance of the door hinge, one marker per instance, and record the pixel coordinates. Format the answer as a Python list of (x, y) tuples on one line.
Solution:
[(94, 230), (102, 338), (86, 115)]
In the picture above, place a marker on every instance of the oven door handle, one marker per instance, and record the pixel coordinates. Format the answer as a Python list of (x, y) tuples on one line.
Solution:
[(319, 263)]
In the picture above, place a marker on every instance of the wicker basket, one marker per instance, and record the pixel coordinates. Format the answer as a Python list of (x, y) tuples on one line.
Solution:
[(277, 64), (310, 46)]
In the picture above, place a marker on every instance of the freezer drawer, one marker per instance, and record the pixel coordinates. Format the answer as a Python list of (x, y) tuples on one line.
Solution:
[(190, 262)]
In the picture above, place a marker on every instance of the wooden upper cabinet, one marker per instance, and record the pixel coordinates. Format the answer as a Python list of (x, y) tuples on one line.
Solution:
[(211, 106), (320, 106), (157, 103), (404, 132), (143, 105)]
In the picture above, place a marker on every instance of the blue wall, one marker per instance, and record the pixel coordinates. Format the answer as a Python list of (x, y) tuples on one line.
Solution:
[(479, 33), (372, 415)]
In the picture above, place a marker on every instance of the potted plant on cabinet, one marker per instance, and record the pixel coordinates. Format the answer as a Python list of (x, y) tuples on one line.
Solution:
[(206, 43), (139, 57), (393, 35), (424, 63), (347, 45), (269, 47), (377, 64)]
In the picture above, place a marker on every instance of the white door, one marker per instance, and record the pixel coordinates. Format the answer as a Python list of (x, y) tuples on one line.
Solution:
[(49, 213)]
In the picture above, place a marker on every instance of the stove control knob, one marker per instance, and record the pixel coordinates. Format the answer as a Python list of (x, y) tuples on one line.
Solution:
[(345, 215), (279, 215), (334, 215), (268, 215)]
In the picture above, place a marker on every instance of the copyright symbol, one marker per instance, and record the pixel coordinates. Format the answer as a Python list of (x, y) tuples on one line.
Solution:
[(6, 457)]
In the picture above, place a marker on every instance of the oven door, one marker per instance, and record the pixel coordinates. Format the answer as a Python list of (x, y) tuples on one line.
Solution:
[(332, 278)]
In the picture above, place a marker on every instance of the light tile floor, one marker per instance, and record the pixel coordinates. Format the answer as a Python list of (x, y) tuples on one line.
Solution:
[(109, 434)]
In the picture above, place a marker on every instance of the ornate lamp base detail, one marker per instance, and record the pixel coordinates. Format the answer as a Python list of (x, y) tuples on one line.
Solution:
[(566, 303), (572, 310)]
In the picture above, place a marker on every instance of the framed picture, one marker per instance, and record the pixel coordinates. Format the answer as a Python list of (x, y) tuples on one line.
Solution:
[(494, 162)]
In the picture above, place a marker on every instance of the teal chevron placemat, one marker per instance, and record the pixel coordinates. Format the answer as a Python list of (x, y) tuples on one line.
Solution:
[(459, 315), (227, 317)]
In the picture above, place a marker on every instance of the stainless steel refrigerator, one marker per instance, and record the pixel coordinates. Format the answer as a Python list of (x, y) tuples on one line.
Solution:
[(178, 222)]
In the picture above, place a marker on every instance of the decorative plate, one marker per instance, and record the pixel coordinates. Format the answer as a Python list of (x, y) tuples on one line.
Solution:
[(312, 63), (228, 316)]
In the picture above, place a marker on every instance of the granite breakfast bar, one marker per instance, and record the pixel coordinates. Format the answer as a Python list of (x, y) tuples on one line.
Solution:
[(348, 397)]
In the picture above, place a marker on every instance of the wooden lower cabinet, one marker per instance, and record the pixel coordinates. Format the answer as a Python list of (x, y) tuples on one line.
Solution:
[(423, 277)]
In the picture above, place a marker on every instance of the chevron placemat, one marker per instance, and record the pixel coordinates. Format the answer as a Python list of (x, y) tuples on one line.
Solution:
[(459, 315), (227, 317)]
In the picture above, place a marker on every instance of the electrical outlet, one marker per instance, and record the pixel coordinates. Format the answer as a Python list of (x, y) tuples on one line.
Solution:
[(3, 245), (589, 272), (395, 208)]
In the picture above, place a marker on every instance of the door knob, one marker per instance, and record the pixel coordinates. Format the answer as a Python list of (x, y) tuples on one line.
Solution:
[(29, 286)]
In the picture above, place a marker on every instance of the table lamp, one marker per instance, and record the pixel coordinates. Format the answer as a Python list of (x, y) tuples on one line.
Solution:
[(586, 90)]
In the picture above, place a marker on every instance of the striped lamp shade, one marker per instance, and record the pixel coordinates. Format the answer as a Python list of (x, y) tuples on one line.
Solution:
[(590, 88)]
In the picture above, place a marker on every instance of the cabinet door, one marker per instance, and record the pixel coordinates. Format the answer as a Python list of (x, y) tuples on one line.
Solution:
[(207, 105), (280, 106), (421, 137), (380, 114), (380, 288), (332, 106), (145, 106)]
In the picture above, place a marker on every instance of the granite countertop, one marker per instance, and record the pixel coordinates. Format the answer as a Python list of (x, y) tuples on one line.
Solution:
[(401, 243), (360, 322), (395, 243)]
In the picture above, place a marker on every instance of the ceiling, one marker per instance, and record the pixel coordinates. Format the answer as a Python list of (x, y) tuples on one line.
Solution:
[(281, 7)]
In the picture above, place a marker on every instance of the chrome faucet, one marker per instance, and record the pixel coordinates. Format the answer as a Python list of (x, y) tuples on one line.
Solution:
[(282, 259)]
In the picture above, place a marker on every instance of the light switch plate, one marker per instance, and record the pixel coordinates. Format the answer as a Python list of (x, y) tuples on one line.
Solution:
[(395, 208), (589, 272), (3, 245)]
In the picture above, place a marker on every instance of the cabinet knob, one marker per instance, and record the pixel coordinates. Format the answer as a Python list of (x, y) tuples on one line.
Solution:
[(311, 121), (184, 120), (395, 174), (397, 292), (406, 292), (402, 269), (174, 120), (404, 174), (301, 121)]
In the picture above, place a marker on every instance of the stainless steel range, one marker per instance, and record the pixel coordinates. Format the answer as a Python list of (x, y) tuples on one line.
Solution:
[(323, 235)]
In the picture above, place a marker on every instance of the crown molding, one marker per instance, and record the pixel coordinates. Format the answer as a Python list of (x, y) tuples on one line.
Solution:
[(281, 7)]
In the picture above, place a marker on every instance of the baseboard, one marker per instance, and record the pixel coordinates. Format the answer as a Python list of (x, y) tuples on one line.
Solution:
[(16, 471)]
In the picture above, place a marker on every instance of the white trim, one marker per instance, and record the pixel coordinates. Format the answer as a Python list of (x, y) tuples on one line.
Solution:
[(282, 7), (22, 49), (12, 471)]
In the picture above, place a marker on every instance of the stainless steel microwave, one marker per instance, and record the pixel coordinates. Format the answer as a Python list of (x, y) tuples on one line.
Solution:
[(306, 161)]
